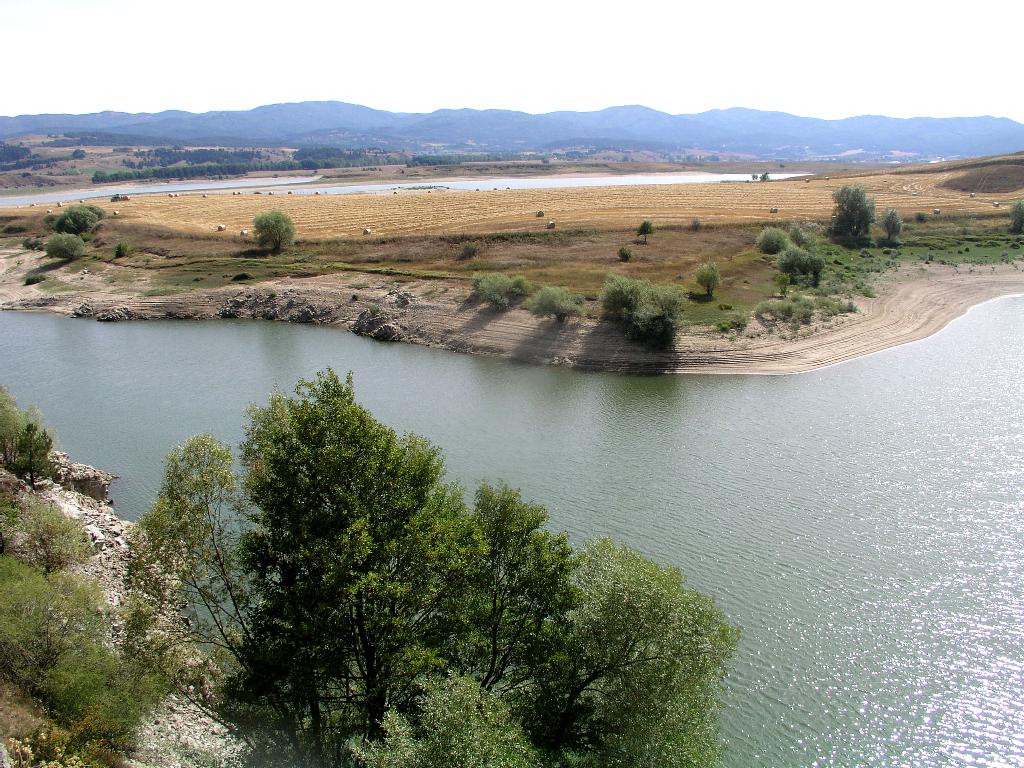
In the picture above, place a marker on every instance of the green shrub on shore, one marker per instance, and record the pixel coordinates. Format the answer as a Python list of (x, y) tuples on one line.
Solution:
[(67, 247), (43, 537), (649, 313), (123, 249), (78, 219), (798, 263), (795, 309), (556, 302), (772, 240), (499, 290)]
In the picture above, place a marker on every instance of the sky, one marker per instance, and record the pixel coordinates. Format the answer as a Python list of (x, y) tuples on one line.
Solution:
[(816, 59)]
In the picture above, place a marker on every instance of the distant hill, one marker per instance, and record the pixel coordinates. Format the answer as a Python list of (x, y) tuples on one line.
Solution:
[(745, 132)]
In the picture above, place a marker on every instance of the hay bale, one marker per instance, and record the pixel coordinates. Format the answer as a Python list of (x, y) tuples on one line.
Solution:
[(116, 213), (995, 203), (60, 205), (367, 231), (244, 233), (972, 194), (204, 194), (540, 214), (49, 210), (221, 227), (937, 211), (551, 224), (773, 210)]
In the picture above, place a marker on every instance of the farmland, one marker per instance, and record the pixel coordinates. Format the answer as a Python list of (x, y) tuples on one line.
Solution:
[(440, 211)]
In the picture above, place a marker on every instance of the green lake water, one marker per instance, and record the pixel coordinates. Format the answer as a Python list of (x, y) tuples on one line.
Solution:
[(863, 524)]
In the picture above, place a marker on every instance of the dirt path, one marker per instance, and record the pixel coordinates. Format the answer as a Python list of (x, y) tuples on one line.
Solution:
[(441, 314)]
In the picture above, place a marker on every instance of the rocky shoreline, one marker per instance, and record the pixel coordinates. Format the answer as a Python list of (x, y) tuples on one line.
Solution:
[(179, 734)]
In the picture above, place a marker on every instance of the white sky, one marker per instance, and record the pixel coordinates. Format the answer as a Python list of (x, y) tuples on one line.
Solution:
[(819, 59)]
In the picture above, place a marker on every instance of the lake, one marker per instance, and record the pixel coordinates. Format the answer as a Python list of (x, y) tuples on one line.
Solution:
[(863, 524)]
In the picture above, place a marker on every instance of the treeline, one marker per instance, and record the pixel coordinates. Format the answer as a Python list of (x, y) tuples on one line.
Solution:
[(165, 156), (459, 159), (193, 171), (313, 158), (340, 603)]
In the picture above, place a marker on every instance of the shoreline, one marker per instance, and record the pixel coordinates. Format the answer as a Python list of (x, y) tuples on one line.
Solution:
[(920, 302)]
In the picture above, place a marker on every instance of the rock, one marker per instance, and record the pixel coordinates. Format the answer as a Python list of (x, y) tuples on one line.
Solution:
[(5, 759), (89, 481), (96, 536), (376, 325), (116, 314)]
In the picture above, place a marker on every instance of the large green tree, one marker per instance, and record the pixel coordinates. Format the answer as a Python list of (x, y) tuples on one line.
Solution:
[(854, 213), (343, 594), (273, 230)]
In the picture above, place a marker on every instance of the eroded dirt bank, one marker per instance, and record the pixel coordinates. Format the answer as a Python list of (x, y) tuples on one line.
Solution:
[(914, 305)]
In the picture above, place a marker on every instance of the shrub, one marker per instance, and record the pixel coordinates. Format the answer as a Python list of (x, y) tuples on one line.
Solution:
[(45, 537), (123, 249), (32, 243), (625, 254), (241, 276), (782, 281), (696, 225), (34, 279), (772, 240), (798, 263), (799, 236), (1017, 218), (795, 309), (552, 301), (498, 290), (62, 246), (892, 223), (709, 277), (78, 219), (649, 313), (273, 230), (469, 250), (920, 217)]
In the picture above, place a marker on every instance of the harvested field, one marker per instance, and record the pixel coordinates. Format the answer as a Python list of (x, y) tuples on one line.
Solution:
[(422, 212)]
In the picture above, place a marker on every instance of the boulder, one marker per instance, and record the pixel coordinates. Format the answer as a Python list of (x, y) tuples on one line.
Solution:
[(377, 325), (89, 481)]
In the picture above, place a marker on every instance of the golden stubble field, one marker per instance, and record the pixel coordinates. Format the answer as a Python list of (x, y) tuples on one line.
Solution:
[(440, 211)]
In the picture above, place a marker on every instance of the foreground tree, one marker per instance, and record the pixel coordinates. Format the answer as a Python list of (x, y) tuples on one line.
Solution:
[(854, 213), (347, 602), (273, 230), (60, 246)]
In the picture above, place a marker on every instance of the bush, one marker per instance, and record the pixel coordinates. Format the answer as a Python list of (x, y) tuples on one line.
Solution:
[(892, 223), (67, 247), (32, 243), (78, 219), (44, 537), (772, 240), (498, 290), (709, 277), (625, 254), (469, 251), (798, 263), (696, 225), (1017, 218), (794, 309), (830, 307), (553, 301), (646, 228), (273, 230), (97, 696), (34, 279), (799, 236), (649, 313), (123, 249), (854, 213), (920, 217), (241, 276)]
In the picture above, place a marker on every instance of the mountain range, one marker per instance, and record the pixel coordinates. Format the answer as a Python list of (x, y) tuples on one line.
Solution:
[(733, 132)]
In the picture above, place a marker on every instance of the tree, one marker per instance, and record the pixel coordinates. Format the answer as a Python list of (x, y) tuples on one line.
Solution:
[(60, 246), (892, 223), (273, 230), (78, 219), (649, 313), (782, 281), (709, 277), (552, 301), (1017, 218), (646, 228), (458, 724), (33, 454), (797, 263), (47, 538), (853, 215), (644, 663)]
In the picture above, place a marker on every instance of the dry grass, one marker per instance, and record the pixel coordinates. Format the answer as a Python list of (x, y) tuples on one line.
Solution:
[(19, 715), (437, 212)]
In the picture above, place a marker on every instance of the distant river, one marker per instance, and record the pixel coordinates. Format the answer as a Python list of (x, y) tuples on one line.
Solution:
[(535, 182), (863, 524)]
